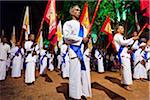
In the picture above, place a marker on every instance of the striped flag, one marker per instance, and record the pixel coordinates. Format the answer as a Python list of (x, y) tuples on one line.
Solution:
[(50, 18), (26, 25)]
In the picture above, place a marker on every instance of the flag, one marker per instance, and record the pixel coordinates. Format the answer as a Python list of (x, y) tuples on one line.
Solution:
[(59, 34), (84, 20), (59, 31), (145, 8), (50, 18), (40, 40), (26, 25), (13, 37), (106, 28)]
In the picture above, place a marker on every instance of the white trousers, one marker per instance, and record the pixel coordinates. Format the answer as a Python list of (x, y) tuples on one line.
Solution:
[(2, 70), (65, 69), (100, 65), (43, 66), (16, 66), (30, 72), (126, 71), (78, 80)]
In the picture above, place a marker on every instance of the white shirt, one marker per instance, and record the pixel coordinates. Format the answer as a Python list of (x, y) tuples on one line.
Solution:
[(4, 50), (119, 41), (70, 32)]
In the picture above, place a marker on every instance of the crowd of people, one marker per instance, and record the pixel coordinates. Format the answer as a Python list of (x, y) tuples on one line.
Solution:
[(74, 58)]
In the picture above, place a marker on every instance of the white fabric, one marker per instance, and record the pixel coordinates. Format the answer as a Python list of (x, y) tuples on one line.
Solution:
[(70, 30), (59, 58), (139, 69), (3, 51), (100, 61), (3, 59), (27, 45), (86, 77), (65, 66), (44, 61), (2, 70), (135, 45), (118, 40), (16, 62), (147, 49), (125, 57), (30, 69), (51, 57)]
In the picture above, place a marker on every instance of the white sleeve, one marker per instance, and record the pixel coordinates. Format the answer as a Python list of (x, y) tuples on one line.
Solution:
[(125, 42), (69, 35), (96, 54)]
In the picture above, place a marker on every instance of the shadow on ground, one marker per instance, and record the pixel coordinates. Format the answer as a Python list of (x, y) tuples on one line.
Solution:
[(64, 88), (111, 94)]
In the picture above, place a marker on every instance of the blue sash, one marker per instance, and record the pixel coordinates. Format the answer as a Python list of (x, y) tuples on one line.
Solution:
[(41, 61), (77, 49), (145, 55), (64, 55), (119, 54)]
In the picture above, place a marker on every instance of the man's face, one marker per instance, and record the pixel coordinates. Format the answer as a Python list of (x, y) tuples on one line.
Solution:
[(120, 29), (76, 11), (135, 34), (32, 37)]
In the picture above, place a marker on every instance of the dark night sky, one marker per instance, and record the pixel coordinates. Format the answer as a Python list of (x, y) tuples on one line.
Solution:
[(12, 13)]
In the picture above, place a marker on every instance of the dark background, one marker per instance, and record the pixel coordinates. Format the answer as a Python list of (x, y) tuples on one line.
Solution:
[(12, 13)]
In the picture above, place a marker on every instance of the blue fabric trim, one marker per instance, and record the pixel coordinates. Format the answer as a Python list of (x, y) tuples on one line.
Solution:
[(77, 49), (119, 54)]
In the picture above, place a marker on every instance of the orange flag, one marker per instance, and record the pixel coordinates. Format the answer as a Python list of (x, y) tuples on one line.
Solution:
[(106, 28), (50, 18), (84, 20)]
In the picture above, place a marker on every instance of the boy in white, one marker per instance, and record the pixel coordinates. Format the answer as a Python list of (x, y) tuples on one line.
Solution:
[(50, 55), (99, 57), (65, 61), (31, 57), (17, 54), (4, 48), (43, 61), (147, 55), (139, 69)]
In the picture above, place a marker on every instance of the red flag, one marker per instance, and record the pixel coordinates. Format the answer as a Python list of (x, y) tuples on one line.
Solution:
[(50, 18), (144, 6), (106, 28)]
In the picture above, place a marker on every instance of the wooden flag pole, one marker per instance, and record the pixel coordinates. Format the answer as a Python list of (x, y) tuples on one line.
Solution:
[(39, 32), (21, 34), (139, 34), (94, 16)]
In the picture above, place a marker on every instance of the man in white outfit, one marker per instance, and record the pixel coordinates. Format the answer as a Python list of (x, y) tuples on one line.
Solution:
[(4, 48), (123, 55), (74, 35)]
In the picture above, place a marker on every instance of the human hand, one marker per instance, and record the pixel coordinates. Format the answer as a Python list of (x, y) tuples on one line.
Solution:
[(135, 38)]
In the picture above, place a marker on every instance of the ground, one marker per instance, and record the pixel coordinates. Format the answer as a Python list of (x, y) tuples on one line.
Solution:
[(105, 86)]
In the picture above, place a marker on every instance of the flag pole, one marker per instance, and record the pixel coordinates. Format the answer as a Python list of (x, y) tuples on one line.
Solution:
[(39, 31), (94, 16), (139, 33), (21, 34)]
